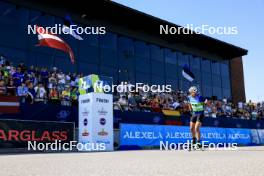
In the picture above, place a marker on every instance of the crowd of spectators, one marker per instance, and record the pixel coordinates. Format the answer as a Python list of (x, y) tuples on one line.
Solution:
[(40, 85), (177, 100)]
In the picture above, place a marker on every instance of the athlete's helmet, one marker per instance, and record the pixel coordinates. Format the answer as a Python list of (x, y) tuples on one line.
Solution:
[(193, 89)]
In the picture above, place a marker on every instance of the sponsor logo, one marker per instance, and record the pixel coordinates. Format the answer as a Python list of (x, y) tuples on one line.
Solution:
[(102, 111), (85, 101), (85, 112), (85, 122), (85, 133), (32, 135), (102, 100), (102, 121), (102, 133)]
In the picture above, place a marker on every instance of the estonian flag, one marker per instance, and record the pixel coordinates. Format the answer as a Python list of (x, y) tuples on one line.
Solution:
[(187, 74), (66, 28)]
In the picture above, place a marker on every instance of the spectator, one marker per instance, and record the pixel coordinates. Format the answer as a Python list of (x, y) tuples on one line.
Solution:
[(11, 88), (65, 97), (41, 94), (54, 95), (155, 104), (22, 92), (132, 102), (18, 76), (2, 87), (30, 98), (123, 104)]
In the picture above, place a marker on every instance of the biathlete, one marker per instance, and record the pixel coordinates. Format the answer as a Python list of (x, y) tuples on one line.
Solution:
[(196, 106)]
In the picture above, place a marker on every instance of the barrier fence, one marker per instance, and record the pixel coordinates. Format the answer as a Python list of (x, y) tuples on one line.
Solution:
[(50, 112)]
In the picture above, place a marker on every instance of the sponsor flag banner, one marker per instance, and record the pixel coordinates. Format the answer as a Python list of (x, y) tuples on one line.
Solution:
[(53, 41), (187, 74), (17, 133), (9, 104), (94, 83)]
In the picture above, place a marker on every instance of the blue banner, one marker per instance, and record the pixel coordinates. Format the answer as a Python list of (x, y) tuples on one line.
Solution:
[(238, 135), (254, 136), (152, 135), (261, 136), (141, 135), (213, 135)]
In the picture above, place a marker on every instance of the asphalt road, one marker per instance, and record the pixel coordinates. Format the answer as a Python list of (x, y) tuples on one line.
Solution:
[(246, 161)]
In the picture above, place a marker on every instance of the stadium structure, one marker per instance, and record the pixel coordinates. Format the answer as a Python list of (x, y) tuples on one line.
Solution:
[(132, 48)]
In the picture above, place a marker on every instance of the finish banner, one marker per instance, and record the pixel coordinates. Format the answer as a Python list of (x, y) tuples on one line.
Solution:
[(152, 135), (17, 133)]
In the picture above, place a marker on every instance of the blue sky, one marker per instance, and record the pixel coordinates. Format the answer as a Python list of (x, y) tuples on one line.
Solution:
[(246, 15)]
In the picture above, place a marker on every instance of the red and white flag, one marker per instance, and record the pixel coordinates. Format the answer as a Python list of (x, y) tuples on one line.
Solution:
[(50, 40), (9, 104)]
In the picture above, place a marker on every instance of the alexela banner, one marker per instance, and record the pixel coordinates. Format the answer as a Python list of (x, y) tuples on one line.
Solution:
[(152, 135), (96, 121)]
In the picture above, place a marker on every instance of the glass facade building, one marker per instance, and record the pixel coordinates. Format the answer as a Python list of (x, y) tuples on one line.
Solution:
[(121, 57)]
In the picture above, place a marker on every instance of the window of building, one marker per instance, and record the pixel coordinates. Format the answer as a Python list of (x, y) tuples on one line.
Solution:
[(108, 57), (215, 67), (195, 63), (108, 40), (170, 57), (206, 65), (157, 68), (87, 68), (143, 65), (89, 54), (141, 49), (156, 53)]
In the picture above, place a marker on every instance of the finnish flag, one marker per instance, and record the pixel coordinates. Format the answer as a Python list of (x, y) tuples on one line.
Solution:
[(187, 74), (67, 28)]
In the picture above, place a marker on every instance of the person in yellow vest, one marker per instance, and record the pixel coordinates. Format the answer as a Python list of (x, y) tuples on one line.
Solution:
[(65, 96)]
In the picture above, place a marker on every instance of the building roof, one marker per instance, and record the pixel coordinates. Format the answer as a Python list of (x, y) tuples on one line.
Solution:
[(120, 15)]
